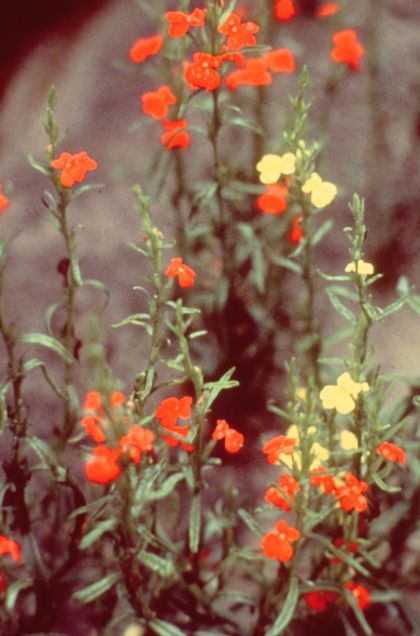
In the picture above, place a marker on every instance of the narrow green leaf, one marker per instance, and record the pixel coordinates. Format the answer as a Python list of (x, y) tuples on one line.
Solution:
[(31, 364), (198, 334), (49, 342), (194, 524), (251, 523), (48, 316), (37, 166), (383, 485), (13, 592), (89, 187), (392, 308), (163, 628), (134, 319), (340, 308), (97, 284), (287, 263), (164, 567), (322, 231), (167, 487), (367, 631), (244, 122), (287, 609), (258, 268), (96, 589), (100, 529)]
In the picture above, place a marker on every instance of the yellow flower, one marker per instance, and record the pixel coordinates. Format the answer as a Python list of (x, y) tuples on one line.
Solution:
[(360, 267), (295, 459), (342, 396), (322, 192), (320, 453), (272, 167), (348, 440)]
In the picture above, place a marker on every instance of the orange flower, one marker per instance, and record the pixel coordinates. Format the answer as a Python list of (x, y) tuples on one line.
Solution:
[(4, 200), (156, 103), (175, 135), (280, 61), (74, 167), (8, 546), (93, 401), (102, 467), (284, 10), (327, 9), (347, 49), (180, 23), (392, 452), (273, 201), (138, 439), (289, 486), (350, 496), (360, 593), (201, 74), (296, 233), (320, 479), (91, 424), (276, 545), (239, 35), (233, 439), (254, 73), (170, 409), (145, 47), (117, 398), (278, 445), (186, 275), (318, 601)]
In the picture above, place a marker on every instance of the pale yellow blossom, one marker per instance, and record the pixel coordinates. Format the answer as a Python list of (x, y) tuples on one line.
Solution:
[(348, 440), (342, 396), (272, 167), (322, 192), (360, 267)]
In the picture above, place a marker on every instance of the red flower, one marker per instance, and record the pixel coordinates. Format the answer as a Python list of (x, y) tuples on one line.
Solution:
[(273, 201), (296, 233), (284, 10), (91, 424), (8, 546), (318, 601), (392, 452), (340, 543), (201, 74), (239, 35), (102, 467), (144, 48), (233, 439), (278, 445), (350, 496), (327, 9), (4, 200), (175, 135), (326, 482), (156, 103), (117, 398), (74, 167), (93, 401), (180, 23), (254, 73), (276, 545), (347, 49), (280, 61), (186, 275), (360, 593), (171, 409), (289, 486), (138, 439)]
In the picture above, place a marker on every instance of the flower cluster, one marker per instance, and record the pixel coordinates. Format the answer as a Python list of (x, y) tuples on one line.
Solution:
[(168, 412)]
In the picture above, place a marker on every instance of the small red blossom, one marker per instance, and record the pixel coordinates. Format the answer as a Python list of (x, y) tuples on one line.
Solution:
[(278, 445), (322, 480), (170, 409), (233, 439), (350, 496), (138, 439), (318, 601), (144, 48), (93, 401), (347, 49), (273, 200), (276, 545), (74, 167), (91, 424), (360, 593), (8, 546), (328, 9), (340, 543), (284, 10), (289, 486), (156, 104), (201, 74), (280, 61), (392, 452), (238, 35), (180, 22), (254, 73), (102, 467), (175, 136), (4, 200), (186, 275), (296, 232)]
